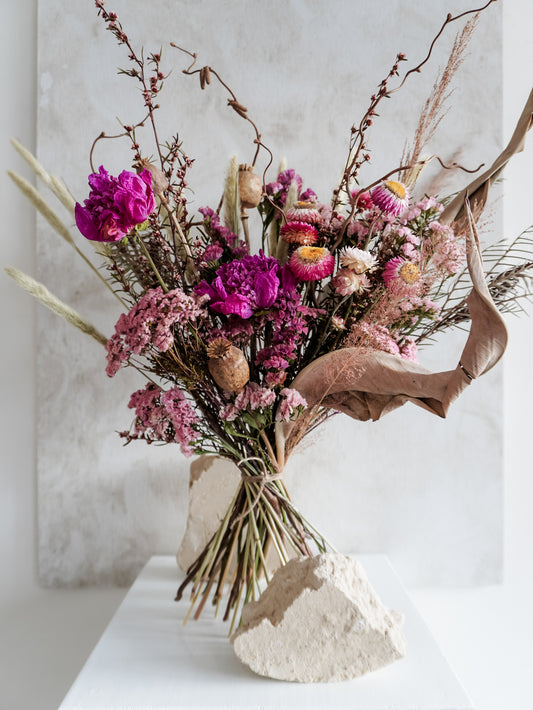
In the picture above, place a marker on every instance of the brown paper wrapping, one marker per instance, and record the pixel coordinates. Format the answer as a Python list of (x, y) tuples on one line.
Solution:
[(368, 384)]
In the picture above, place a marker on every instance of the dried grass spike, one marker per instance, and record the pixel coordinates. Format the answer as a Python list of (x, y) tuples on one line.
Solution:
[(159, 179)]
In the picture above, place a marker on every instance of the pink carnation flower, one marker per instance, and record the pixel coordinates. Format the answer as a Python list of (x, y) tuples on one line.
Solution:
[(252, 397), (291, 403)]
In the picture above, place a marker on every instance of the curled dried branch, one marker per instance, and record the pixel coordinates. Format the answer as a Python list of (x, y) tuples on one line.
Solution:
[(477, 190), (127, 132), (205, 79), (449, 19)]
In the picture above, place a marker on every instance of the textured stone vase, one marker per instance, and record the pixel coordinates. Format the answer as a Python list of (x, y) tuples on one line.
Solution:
[(212, 485)]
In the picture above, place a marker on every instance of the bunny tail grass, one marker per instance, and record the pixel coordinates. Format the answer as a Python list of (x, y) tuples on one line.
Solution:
[(51, 181), (43, 295)]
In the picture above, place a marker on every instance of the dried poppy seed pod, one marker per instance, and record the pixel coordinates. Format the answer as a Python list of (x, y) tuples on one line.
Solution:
[(250, 187), (159, 180), (227, 365)]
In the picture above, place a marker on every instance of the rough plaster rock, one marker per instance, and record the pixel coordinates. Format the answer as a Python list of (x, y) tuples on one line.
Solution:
[(212, 483), (319, 620)]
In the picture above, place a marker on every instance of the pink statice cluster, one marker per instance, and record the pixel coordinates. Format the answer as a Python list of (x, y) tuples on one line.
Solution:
[(164, 416), (366, 334), (378, 337), (448, 254), (252, 398), (115, 205), (221, 238), (150, 324), (278, 190), (291, 405)]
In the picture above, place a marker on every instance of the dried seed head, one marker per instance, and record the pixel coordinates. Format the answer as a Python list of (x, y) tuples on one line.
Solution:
[(250, 187), (159, 180), (227, 365), (218, 347)]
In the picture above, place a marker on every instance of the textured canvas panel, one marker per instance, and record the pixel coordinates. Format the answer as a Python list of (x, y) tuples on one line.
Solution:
[(425, 491)]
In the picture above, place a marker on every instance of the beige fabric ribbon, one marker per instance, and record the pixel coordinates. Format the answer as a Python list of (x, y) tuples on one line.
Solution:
[(368, 384)]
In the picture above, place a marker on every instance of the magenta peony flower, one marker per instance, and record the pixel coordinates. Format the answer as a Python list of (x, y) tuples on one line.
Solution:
[(312, 263), (391, 197), (115, 205), (243, 286)]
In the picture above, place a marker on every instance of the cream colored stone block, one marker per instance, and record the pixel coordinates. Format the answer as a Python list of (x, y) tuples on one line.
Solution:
[(212, 484), (319, 620)]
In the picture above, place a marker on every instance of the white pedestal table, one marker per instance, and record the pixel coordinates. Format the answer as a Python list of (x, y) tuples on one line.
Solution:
[(147, 659)]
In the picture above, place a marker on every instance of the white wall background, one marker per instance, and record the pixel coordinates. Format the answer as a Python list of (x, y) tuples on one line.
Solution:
[(44, 639)]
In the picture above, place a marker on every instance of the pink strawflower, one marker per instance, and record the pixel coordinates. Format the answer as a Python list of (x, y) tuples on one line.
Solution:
[(391, 197), (345, 282), (300, 233), (312, 263), (400, 272), (304, 211), (291, 405), (115, 205)]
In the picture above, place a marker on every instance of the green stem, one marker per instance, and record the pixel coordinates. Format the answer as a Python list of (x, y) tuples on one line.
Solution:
[(151, 262)]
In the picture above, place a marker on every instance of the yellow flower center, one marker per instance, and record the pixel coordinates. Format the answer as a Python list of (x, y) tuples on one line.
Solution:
[(304, 205), (409, 273), (396, 188), (312, 255)]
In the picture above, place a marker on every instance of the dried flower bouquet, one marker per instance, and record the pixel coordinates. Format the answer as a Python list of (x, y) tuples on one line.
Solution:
[(247, 353)]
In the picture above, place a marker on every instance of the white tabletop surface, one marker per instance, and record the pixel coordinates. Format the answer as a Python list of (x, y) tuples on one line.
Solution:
[(147, 659)]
